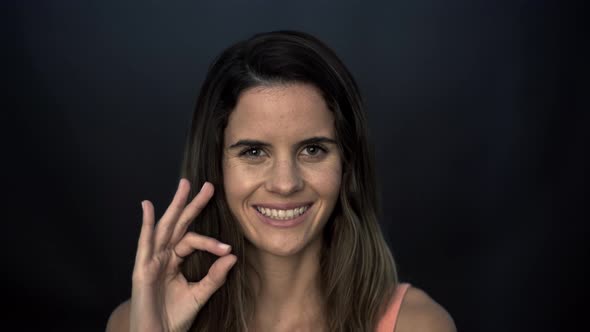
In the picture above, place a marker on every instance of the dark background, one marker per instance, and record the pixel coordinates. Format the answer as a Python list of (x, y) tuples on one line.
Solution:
[(478, 113)]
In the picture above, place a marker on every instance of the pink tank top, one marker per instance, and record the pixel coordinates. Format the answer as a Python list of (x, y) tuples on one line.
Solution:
[(387, 322)]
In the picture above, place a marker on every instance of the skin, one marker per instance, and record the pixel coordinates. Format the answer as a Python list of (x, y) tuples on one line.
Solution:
[(419, 312), (161, 298), (282, 170)]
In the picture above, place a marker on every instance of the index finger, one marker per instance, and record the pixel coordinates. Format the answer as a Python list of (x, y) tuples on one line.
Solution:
[(191, 211), (165, 227)]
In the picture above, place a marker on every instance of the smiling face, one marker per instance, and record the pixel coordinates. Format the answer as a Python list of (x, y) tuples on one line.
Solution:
[(281, 166)]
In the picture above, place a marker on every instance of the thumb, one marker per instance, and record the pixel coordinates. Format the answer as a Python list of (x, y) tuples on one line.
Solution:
[(214, 279)]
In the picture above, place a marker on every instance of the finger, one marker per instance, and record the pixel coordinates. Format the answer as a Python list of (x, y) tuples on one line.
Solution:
[(165, 226), (145, 242), (214, 279), (193, 241), (192, 211)]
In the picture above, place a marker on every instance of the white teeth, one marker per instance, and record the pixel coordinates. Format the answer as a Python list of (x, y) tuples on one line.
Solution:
[(282, 214)]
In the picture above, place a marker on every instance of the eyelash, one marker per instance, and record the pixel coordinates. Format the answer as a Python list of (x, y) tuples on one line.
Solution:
[(246, 152), (320, 149)]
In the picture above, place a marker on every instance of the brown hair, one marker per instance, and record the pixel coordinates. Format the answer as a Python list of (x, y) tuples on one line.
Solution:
[(358, 273)]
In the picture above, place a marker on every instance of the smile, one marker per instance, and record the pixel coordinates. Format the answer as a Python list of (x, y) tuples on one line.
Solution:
[(278, 214)]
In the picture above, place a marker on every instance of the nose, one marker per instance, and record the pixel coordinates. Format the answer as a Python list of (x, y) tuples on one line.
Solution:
[(284, 178)]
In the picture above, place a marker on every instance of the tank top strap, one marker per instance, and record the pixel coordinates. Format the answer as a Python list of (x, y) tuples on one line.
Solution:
[(387, 322)]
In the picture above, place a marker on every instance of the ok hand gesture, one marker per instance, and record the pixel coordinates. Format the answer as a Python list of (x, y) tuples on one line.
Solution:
[(162, 299)]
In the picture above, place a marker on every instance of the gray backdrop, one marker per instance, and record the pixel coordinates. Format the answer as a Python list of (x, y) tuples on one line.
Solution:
[(476, 112)]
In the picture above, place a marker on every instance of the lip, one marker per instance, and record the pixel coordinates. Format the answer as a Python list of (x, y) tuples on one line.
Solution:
[(283, 223)]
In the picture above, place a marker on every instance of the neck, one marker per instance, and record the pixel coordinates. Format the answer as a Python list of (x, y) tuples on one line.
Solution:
[(287, 288)]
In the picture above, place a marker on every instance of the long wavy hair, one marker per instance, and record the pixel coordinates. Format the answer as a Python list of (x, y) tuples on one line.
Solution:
[(358, 273)]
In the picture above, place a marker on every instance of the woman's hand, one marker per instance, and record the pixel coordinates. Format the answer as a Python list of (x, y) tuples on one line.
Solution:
[(161, 298)]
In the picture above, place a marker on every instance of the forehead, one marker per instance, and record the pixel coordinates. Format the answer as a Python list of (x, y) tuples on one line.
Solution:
[(280, 112)]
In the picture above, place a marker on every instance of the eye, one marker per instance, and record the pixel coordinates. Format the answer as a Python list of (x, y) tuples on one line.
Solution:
[(314, 151), (252, 152)]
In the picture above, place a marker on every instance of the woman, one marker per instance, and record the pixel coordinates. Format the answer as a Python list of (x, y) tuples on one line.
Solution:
[(283, 233)]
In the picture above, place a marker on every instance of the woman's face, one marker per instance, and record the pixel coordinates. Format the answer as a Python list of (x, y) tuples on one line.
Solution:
[(281, 166)]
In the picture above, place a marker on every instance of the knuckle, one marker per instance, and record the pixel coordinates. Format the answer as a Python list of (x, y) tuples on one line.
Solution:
[(191, 237), (210, 242)]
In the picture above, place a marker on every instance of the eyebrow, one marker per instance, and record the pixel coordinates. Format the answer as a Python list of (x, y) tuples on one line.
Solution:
[(312, 140)]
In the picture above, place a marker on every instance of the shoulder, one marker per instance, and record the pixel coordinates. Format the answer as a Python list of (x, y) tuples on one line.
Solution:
[(119, 318), (419, 312)]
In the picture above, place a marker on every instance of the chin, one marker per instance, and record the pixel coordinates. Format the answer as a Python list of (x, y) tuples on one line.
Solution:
[(282, 247)]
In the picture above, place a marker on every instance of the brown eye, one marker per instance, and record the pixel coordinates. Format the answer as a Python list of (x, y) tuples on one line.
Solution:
[(314, 151), (252, 152)]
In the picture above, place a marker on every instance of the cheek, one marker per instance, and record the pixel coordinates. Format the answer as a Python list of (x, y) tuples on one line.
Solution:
[(238, 181), (327, 181), (333, 183), (232, 186)]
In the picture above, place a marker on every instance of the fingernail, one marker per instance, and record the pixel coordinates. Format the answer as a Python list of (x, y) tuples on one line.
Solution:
[(142, 205), (224, 246), (203, 186), (179, 182)]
